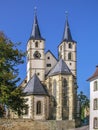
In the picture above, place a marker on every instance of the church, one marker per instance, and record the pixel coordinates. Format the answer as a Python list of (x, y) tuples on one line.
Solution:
[(51, 83)]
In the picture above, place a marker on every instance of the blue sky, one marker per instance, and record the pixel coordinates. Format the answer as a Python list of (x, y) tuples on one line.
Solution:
[(16, 19)]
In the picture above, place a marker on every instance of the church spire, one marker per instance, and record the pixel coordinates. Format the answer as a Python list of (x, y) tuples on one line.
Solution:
[(67, 33), (35, 34)]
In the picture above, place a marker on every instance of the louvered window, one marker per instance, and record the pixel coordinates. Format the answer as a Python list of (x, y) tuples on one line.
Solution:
[(36, 44), (70, 45)]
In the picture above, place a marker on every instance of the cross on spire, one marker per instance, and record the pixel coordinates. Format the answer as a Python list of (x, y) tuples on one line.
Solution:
[(35, 34)]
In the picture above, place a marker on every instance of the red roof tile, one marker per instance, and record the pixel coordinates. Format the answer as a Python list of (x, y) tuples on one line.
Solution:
[(94, 75)]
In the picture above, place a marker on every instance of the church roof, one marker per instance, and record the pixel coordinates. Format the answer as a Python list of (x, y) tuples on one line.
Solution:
[(60, 68), (36, 35), (95, 75), (67, 33), (35, 87)]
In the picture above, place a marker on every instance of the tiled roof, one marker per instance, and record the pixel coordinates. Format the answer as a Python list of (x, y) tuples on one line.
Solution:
[(36, 31), (35, 87), (95, 75), (60, 68)]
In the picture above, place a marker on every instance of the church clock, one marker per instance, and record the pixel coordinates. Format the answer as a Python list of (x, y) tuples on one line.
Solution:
[(37, 55)]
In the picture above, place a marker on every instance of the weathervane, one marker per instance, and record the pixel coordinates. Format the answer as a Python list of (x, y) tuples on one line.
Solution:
[(35, 10), (66, 12)]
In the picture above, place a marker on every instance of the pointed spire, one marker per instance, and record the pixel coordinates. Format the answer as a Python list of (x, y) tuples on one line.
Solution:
[(67, 33), (35, 30)]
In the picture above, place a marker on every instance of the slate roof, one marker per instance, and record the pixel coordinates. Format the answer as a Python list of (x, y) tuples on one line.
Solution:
[(60, 68), (67, 33), (36, 35), (35, 87), (95, 75)]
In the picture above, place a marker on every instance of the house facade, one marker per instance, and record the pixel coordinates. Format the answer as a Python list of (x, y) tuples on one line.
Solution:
[(94, 100)]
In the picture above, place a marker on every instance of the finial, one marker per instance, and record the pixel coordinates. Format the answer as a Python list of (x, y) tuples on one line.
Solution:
[(35, 10), (66, 12)]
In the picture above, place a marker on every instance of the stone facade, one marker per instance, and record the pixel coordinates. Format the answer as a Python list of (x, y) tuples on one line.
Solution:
[(51, 83), (63, 101), (36, 64), (24, 124), (67, 51)]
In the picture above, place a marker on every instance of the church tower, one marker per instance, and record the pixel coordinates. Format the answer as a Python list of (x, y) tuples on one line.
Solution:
[(36, 53), (67, 49)]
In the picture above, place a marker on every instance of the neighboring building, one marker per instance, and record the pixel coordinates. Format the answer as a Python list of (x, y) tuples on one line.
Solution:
[(94, 100), (51, 83)]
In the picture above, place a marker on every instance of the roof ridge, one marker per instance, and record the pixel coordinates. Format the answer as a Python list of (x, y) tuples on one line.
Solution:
[(95, 74)]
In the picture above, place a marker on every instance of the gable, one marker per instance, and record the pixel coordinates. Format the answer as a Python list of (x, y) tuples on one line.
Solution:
[(50, 61)]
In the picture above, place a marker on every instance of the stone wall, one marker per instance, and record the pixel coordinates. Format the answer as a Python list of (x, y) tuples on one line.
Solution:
[(26, 124)]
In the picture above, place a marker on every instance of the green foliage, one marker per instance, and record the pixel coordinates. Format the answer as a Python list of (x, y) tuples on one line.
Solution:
[(82, 113), (10, 58), (1, 110), (83, 99), (84, 104)]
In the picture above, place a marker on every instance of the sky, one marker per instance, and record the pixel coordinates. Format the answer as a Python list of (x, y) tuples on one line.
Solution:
[(16, 19)]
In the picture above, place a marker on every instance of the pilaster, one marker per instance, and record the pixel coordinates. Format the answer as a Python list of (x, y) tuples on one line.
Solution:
[(59, 100), (70, 98)]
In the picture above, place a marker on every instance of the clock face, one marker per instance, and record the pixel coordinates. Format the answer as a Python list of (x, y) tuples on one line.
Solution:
[(37, 55)]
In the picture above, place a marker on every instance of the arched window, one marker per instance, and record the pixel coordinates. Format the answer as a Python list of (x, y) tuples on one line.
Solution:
[(54, 88), (38, 107), (26, 111), (60, 47), (64, 91), (69, 56), (36, 44), (70, 45), (64, 83), (95, 86)]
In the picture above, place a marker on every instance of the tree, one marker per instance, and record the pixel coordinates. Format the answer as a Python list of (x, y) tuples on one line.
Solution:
[(10, 58), (1, 110), (84, 104)]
